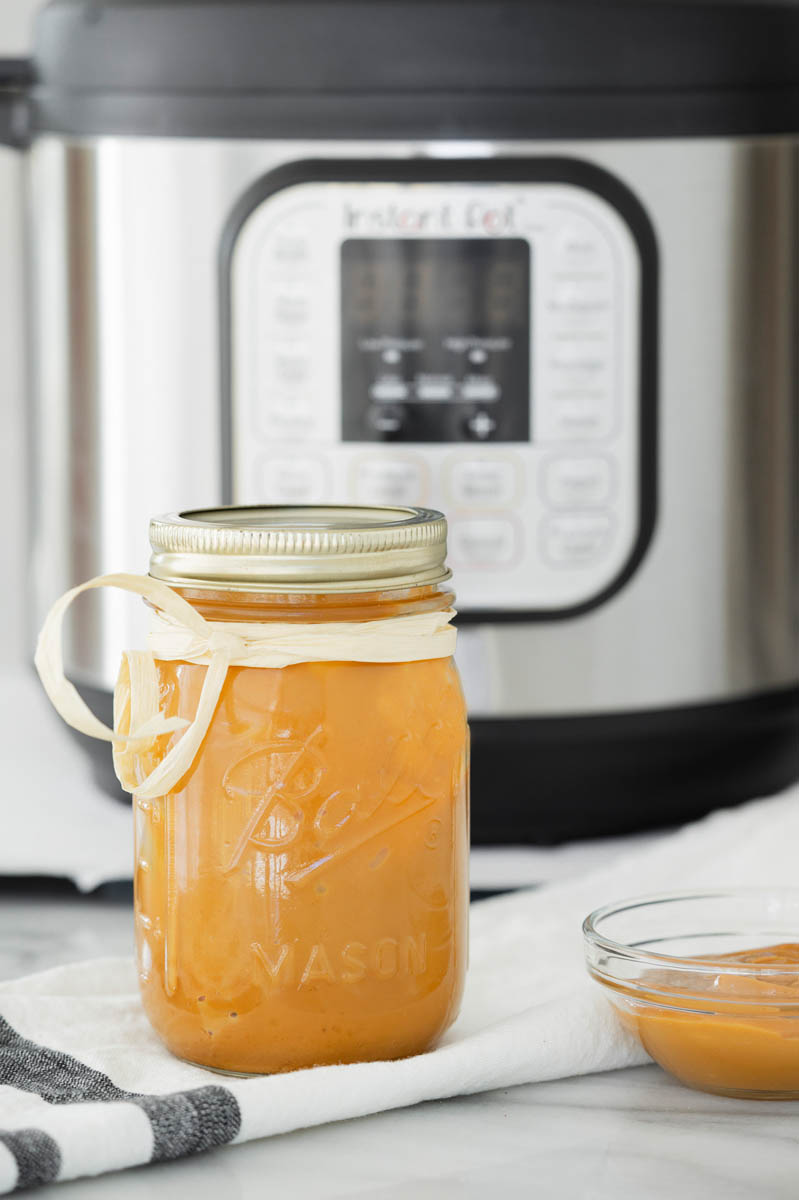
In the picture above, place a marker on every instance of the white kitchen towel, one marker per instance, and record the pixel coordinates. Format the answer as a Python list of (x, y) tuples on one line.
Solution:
[(86, 1087)]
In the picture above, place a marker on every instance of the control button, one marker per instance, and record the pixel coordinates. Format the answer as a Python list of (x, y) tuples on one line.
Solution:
[(491, 482), (482, 542), (290, 249), (291, 307), (389, 481), (434, 389), (480, 425), (290, 406), (479, 388), (291, 366), (576, 540), (386, 418), (578, 245), (388, 390), (293, 480), (589, 379), (580, 297), (391, 356), (478, 355), (283, 415), (581, 417), (581, 355), (577, 482)]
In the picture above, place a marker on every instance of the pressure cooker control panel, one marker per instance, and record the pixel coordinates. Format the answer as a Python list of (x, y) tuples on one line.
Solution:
[(471, 346)]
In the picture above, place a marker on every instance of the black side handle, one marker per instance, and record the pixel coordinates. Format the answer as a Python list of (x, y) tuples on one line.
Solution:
[(16, 77)]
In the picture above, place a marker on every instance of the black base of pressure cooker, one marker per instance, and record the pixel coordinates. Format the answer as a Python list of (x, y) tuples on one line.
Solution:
[(101, 703), (552, 779)]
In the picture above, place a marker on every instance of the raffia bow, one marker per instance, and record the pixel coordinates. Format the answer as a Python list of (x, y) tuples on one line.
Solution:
[(180, 633)]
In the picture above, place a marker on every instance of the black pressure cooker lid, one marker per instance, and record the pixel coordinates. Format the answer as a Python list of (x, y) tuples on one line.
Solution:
[(429, 68)]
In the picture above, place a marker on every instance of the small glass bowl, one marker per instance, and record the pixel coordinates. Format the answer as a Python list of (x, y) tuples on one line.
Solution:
[(729, 1027)]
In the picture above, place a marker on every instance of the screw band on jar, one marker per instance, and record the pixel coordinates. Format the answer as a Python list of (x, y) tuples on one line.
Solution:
[(181, 633), (304, 548)]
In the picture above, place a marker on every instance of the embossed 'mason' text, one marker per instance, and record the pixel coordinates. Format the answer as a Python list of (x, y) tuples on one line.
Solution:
[(290, 964)]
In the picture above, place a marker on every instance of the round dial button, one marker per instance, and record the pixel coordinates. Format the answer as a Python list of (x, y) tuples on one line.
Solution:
[(481, 425)]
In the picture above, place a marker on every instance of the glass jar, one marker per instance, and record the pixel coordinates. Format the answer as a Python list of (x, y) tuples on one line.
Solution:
[(301, 893)]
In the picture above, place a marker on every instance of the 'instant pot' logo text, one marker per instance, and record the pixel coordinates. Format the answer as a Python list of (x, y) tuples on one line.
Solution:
[(475, 215)]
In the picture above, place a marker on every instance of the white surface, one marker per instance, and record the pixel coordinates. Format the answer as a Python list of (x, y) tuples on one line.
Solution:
[(619, 1136), (56, 820), (495, 867), (628, 1135), (530, 1011)]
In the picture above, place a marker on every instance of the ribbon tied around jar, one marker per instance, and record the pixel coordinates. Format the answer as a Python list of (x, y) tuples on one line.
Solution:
[(180, 633)]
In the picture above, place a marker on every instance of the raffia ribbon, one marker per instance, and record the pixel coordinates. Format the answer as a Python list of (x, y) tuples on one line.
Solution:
[(180, 633)]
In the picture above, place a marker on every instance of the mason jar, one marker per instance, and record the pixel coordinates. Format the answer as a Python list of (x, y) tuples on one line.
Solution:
[(301, 891)]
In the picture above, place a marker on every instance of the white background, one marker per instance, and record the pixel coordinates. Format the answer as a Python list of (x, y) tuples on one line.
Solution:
[(15, 37)]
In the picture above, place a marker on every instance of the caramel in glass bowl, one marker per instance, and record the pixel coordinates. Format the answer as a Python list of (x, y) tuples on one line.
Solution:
[(709, 984)]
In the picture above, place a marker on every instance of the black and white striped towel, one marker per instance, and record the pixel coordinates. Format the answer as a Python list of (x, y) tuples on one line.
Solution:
[(86, 1087)]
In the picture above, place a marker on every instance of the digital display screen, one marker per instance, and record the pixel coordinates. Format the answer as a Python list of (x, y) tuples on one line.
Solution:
[(435, 327), (424, 286)]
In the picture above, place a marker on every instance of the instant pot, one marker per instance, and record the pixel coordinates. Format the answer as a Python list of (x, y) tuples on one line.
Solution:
[(532, 263)]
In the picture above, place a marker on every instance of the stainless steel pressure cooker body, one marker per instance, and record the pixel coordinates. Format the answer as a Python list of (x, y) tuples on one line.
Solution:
[(532, 263)]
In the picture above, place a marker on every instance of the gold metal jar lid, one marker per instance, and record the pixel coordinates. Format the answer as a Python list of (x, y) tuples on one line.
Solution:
[(303, 548)]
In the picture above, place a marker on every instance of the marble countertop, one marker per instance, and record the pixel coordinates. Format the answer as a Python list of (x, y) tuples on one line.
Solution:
[(624, 1134)]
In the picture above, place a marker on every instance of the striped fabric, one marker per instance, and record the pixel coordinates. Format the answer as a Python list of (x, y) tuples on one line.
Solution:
[(86, 1086), (179, 1122)]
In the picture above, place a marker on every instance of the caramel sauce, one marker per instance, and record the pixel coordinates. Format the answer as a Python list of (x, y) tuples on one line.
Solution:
[(303, 898), (747, 1046)]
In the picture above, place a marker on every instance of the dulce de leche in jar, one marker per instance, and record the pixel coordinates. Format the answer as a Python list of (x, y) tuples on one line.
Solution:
[(301, 883)]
